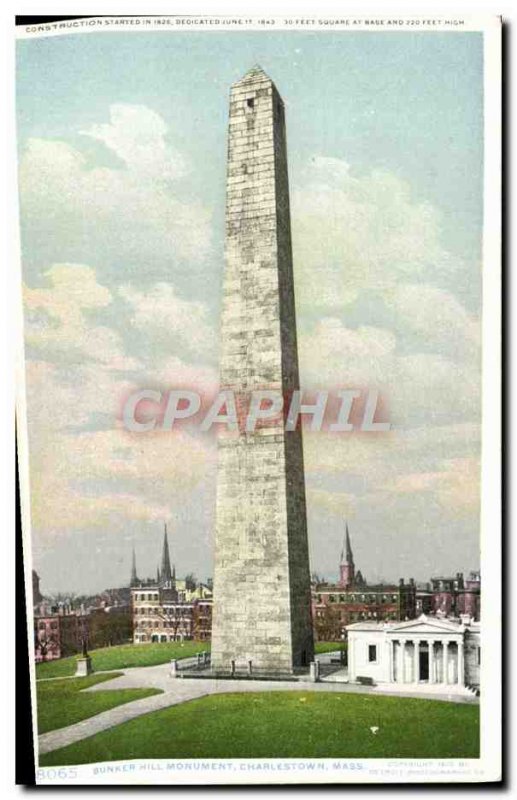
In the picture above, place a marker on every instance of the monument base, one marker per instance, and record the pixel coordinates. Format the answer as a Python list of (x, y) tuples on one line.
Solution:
[(84, 667)]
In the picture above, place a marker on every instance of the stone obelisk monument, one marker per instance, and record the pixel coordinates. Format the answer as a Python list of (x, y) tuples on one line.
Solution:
[(262, 598)]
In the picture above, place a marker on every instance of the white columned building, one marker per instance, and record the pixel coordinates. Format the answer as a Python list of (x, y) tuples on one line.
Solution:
[(417, 652)]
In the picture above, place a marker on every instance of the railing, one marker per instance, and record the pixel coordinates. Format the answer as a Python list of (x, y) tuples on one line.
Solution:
[(200, 666), (198, 663), (329, 663)]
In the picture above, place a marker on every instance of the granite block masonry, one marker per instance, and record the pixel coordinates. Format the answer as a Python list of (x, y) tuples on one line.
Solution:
[(262, 609)]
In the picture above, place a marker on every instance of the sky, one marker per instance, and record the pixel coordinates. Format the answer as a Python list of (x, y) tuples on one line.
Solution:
[(122, 158)]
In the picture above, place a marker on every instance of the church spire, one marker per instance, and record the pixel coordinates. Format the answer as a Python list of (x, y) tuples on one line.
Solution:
[(346, 565), (166, 572), (134, 578), (349, 554)]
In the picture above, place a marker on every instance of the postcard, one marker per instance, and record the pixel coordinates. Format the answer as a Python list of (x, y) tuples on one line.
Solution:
[(259, 398)]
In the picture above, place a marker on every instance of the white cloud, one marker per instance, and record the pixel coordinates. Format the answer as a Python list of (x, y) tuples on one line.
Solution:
[(455, 485), (137, 135), (405, 468), (417, 386), (437, 318), (174, 373), (85, 469), (133, 211), (353, 233), (56, 317), (334, 355), (91, 477), (340, 503), (161, 311)]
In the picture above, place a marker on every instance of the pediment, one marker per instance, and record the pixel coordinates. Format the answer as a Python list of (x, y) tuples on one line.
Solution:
[(424, 625)]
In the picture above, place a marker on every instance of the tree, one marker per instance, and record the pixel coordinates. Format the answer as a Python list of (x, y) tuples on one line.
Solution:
[(328, 624), (190, 581)]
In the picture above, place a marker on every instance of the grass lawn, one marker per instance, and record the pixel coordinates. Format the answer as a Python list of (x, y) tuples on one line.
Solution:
[(61, 702), (329, 647), (122, 656), (287, 725), (139, 655)]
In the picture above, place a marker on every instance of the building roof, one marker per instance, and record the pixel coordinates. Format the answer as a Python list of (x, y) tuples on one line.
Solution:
[(375, 587), (367, 625), (422, 624)]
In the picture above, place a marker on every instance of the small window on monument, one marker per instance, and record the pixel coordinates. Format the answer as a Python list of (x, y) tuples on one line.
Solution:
[(250, 102)]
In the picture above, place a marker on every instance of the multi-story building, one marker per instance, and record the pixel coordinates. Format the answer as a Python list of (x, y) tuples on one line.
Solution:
[(456, 596), (57, 636), (203, 619), (352, 599), (167, 609)]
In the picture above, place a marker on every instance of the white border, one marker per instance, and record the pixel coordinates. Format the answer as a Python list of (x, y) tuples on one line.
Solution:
[(491, 445), (488, 767)]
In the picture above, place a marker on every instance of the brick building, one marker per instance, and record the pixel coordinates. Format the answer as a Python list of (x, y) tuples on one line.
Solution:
[(451, 596), (57, 635), (202, 620), (352, 599)]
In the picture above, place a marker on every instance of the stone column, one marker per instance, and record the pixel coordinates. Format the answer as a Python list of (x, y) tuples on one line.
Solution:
[(403, 658), (389, 651), (461, 664), (416, 661), (445, 662), (431, 661)]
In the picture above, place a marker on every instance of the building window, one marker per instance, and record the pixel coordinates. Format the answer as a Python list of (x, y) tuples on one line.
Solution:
[(250, 103), (372, 653)]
